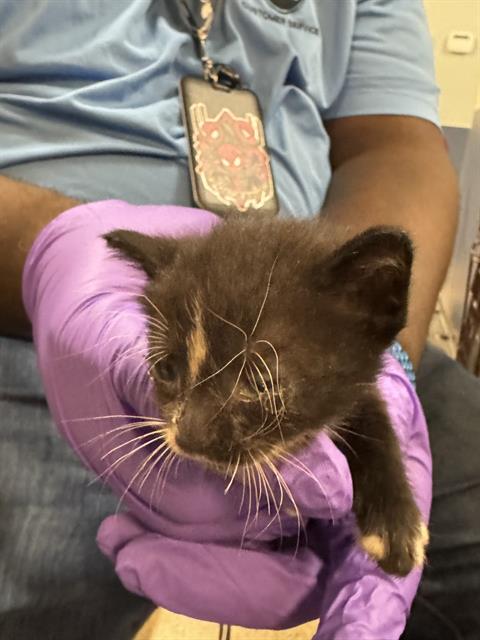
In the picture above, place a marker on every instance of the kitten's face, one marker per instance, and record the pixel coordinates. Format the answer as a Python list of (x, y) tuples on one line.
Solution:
[(264, 332)]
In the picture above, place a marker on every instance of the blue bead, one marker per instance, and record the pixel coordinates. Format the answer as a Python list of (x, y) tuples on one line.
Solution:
[(399, 353)]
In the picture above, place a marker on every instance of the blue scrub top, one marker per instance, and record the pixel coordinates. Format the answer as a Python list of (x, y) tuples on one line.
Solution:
[(89, 88)]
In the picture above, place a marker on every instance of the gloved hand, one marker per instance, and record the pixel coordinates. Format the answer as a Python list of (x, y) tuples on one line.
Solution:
[(360, 600), (178, 544)]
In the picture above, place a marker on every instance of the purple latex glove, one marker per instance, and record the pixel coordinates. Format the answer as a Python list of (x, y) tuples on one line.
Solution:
[(180, 546)]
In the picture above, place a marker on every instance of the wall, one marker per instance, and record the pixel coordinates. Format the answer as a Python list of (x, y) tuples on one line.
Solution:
[(457, 75)]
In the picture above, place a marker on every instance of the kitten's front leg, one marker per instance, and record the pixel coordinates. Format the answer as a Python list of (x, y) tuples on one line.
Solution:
[(390, 523)]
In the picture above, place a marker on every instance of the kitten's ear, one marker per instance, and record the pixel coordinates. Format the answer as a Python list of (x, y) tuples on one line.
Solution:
[(151, 253), (372, 271)]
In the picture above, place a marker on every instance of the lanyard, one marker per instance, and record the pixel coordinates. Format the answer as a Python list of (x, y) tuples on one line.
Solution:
[(230, 170), (220, 75)]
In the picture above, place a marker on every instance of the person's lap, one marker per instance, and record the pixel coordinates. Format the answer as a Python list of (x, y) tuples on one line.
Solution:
[(447, 606), (54, 583)]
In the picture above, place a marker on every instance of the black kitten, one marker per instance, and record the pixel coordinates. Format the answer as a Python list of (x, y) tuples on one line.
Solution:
[(265, 332)]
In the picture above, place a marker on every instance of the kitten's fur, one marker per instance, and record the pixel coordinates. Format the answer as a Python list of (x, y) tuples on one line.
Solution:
[(266, 289)]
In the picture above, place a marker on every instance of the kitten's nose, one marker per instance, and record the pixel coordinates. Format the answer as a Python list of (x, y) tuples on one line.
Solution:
[(185, 443), (190, 438), (198, 429)]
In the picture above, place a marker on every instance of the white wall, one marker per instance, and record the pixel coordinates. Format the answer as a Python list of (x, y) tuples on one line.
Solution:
[(457, 75)]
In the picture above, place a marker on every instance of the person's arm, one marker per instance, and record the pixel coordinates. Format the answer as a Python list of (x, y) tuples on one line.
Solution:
[(24, 210), (395, 170)]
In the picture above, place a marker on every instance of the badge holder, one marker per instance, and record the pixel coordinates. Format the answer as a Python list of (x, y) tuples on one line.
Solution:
[(229, 162)]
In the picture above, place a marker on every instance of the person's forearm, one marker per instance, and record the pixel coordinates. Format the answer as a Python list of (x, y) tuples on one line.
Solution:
[(24, 210), (414, 187)]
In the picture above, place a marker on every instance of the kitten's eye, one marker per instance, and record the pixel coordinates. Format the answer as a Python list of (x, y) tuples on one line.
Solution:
[(263, 391), (259, 387), (166, 370), (263, 385)]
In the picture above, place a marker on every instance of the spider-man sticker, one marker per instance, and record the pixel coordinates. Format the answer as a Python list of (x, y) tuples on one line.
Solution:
[(230, 157)]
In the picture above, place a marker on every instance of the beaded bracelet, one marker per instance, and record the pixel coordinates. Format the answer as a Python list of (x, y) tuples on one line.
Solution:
[(399, 353)]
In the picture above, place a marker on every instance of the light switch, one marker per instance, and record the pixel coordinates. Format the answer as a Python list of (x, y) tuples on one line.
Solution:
[(460, 42)]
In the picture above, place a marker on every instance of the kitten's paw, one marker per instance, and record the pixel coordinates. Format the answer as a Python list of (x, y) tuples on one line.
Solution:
[(398, 552), (375, 546), (422, 543)]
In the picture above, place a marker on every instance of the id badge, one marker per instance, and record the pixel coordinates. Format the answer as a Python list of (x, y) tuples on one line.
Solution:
[(229, 162)]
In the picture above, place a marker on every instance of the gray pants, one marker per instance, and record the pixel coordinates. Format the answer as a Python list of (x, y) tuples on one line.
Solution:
[(56, 585)]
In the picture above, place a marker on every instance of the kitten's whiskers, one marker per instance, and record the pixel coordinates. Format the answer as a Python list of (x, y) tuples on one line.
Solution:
[(243, 489), (169, 460), (111, 416), (281, 481), (275, 393), (267, 291), (163, 320), (247, 469), (304, 469), (126, 427), (268, 489), (228, 468), (334, 427), (137, 473), (154, 337), (262, 477), (251, 380), (159, 359), (259, 430), (110, 469), (264, 383), (227, 489), (155, 464), (333, 435), (218, 370), (232, 324), (124, 444), (155, 325), (158, 478), (128, 353), (275, 352), (258, 494), (231, 394), (152, 466)]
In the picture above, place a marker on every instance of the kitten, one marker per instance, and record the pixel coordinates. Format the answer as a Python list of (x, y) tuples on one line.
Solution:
[(267, 331)]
